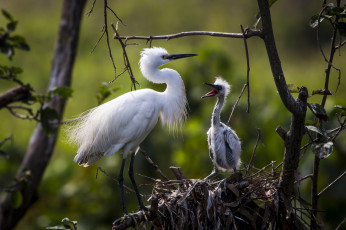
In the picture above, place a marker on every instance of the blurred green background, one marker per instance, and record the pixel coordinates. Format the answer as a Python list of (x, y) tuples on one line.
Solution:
[(68, 190)]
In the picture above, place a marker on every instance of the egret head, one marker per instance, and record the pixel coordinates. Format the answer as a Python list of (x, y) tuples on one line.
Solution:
[(157, 56), (220, 88)]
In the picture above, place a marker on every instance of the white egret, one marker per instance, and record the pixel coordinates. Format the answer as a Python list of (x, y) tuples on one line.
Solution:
[(124, 122), (224, 144)]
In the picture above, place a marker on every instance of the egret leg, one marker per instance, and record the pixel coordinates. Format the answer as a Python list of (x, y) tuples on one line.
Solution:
[(212, 174), (141, 205), (121, 183)]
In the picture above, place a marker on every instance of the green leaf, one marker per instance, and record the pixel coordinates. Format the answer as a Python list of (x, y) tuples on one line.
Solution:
[(322, 150), (342, 28), (16, 70), (11, 26), (314, 20), (311, 122), (293, 89), (63, 91), (67, 224), (321, 92), (318, 111), (16, 199), (7, 15), (49, 116), (340, 107), (315, 129)]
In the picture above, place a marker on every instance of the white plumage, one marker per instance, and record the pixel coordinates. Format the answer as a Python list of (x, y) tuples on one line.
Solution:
[(224, 144), (121, 124)]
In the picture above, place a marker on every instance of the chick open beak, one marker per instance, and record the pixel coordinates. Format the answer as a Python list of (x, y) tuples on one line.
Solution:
[(212, 93)]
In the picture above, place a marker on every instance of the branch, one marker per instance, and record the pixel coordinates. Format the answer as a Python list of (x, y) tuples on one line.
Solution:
[(249, 33), (153, 164), (247, 84), (126, 61), (259, 137), (275, 63), (336, 180), (15, 94)]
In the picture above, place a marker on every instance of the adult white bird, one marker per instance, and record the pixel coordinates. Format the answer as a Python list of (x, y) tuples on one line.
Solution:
[(121, 124), (224, 144)]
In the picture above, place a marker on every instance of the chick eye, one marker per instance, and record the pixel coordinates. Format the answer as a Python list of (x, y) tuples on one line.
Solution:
[(164, 56), (219, 88)]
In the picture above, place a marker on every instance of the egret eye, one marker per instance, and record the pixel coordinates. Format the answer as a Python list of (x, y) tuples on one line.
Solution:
[(218, 87), (164, 56)]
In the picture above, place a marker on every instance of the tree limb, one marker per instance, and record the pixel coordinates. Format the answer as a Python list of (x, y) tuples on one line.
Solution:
[(41, 145), (15, 94), (249, 33)]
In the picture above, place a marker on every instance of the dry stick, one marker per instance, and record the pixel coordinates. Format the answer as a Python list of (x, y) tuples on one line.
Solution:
[(153, 164), (112, 178), (247, 71), (92, 8), (341, 224), (236, 103), (336, 180), (249, 33), (259, 137), (126, 61), (107, 37)]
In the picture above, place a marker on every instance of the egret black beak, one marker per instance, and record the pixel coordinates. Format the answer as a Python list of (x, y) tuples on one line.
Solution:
[(213, 92), (178, 56)]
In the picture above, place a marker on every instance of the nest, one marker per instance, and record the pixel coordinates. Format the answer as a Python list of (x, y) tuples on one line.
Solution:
[(237, 202)]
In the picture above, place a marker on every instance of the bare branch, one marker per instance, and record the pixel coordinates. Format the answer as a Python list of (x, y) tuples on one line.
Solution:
[(15, 94), (247, 70), (331, 184), (247, 84), (236, 103), (249, 33), (92, 8), (153, 164), (107, 36), (116, 15), (259, 137), (126, 61)]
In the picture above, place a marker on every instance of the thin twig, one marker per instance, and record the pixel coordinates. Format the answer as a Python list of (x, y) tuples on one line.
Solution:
[(247, 70), (236, 103), (92, 8), (112, 178), (107, 36), (126, 61), (259, 137), (336, 180), (153, 164), (116, 15), (98, 41), (31, 117)]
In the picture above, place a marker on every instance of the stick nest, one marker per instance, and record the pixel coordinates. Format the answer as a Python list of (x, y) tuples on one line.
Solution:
[(238, 202)]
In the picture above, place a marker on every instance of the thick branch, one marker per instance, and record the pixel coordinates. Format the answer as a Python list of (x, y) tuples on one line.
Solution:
[(15, 94), (41, 145), (274, 60)]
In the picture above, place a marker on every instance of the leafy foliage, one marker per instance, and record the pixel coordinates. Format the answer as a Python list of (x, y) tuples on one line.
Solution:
[(9, 42)]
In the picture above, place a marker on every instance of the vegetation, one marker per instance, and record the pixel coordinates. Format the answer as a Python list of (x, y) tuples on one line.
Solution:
[(74, 192)]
